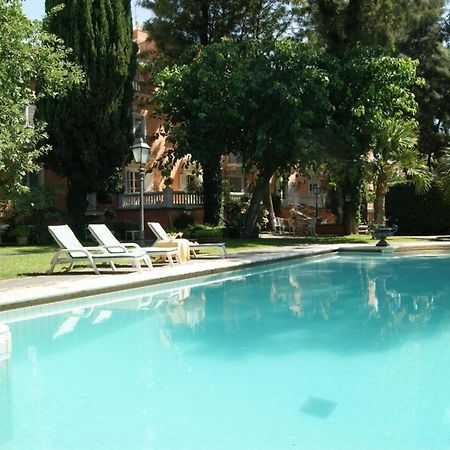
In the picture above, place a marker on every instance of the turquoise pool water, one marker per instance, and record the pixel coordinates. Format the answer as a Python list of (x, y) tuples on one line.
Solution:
[(330, 353)]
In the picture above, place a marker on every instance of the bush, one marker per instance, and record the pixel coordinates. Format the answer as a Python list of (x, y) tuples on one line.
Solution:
[(418, 214), (183, 221), (35, 208), (235, 214), (120, 227), (199, 231)]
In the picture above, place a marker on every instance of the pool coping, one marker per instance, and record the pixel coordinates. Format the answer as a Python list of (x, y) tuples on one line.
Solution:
[(44, 289)]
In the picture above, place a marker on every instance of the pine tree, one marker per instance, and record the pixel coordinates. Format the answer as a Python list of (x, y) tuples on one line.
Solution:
[(90, 129), (179, 23)]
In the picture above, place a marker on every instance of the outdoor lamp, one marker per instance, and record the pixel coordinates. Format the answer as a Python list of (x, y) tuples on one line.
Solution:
[(141, 151)]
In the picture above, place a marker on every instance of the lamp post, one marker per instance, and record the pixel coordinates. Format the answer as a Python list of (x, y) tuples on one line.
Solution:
[(141, 151), (316, 193)]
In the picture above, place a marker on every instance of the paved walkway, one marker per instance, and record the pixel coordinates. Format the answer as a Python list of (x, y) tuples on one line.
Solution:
[(42, 289)]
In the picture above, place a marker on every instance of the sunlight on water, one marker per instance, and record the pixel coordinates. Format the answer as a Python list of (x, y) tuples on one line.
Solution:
[(331, 353)]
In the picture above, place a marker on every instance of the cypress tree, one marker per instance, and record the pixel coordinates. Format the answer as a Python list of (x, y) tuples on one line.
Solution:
[(90, 129)]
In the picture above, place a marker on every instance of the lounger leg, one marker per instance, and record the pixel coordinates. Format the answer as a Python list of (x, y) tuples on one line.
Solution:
[(113, 266), (148, 261), (137, 264), (224, 252), (93, 265), (53, 265), (170, 259)]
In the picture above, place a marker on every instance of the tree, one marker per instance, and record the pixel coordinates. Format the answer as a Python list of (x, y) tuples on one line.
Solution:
[(286, 110), (395, 159), (28, 56), (265, 102), (347, 25), (90, 129), (382, 90), (200, 102), (177, 24)]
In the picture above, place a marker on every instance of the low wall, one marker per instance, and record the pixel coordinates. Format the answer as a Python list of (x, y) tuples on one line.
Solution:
[(330, 229), (164, 216)]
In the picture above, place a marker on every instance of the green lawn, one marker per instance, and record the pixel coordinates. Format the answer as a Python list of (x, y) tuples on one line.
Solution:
[(35, 260)]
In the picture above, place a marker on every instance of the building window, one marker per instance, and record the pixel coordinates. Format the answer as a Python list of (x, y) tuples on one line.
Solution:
[(34, 179), (313, 188), (139, 126), (29, 115), (131, 181), (236, 183)]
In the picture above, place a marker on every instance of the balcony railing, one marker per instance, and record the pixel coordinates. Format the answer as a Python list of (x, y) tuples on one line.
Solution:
[(165, 199)]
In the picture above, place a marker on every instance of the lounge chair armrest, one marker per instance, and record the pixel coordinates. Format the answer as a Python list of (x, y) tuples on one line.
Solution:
[(112, 248), (98, 249), (131, 245), (70, 250)]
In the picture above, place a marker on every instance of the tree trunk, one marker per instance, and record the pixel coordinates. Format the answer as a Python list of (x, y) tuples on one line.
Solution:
[(352, 202), (269, 205), (77, 205), (255, 202), (212, 192), (380, 200)]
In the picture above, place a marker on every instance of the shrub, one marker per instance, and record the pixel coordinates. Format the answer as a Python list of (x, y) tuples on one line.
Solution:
[(183, 221), (199, 230), (35, 207), (235, 214), (417, 214)]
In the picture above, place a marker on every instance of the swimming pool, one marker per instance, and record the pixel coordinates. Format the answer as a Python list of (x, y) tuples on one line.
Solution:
[(337, 352)]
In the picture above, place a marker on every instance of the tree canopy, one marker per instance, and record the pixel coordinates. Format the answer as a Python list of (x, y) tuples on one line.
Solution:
[(264, 102), (29, 56), (177, 24)]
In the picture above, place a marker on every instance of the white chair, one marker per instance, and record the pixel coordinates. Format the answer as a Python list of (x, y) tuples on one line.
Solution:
[(103, 235), (311, 227), (72, 251), (279, 227), (163, 237)]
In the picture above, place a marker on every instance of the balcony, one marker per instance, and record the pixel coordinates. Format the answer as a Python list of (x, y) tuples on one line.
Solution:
[(161, 200)]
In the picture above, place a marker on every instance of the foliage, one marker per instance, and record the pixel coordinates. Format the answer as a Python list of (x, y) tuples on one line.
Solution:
[(395, 160), (35, 208), (28, 55), (183, 221), (20, 230), (120, 227), (90, 129), (416, 213), (381, 91), (177, 24), (200, 111), (235, 217), (200, 230)]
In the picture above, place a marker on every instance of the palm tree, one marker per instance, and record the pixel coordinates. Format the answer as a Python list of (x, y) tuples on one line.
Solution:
[(395, 159)]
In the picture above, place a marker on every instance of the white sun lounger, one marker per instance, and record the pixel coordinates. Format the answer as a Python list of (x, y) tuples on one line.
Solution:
[(72, 251), (161, 235), (103, 235)]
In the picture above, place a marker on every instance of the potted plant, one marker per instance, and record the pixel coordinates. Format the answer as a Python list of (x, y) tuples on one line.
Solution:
[(21, 233)]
